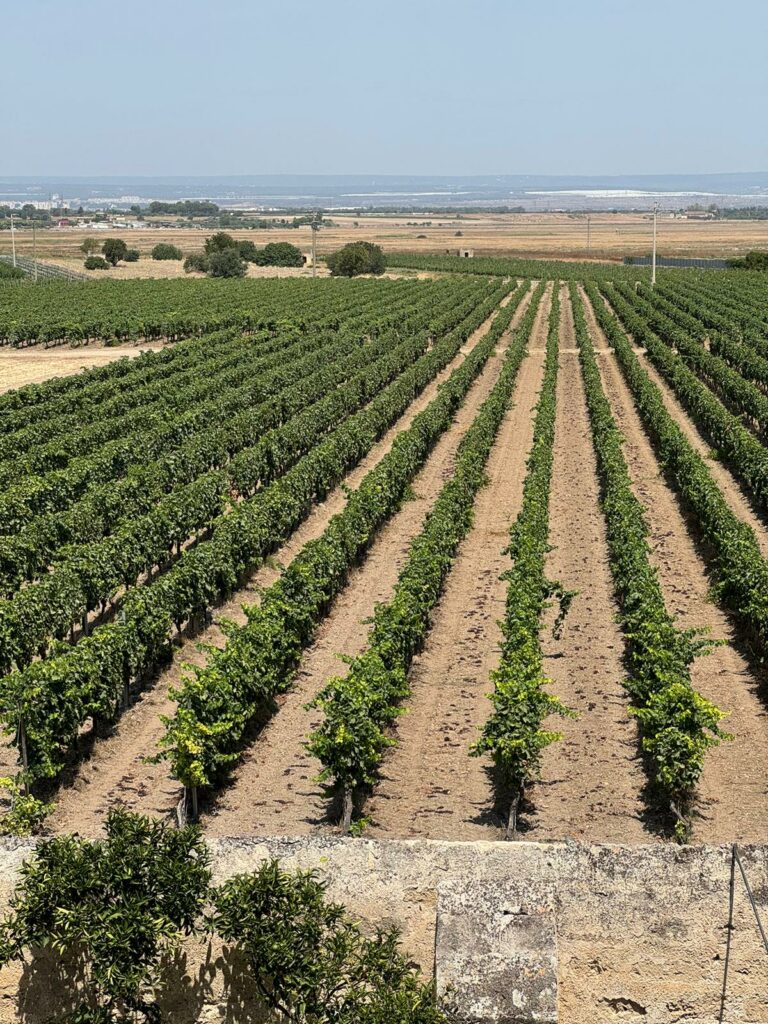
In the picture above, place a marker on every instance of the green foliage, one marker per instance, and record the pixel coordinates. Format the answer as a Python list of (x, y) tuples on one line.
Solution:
[(197, 261), (360, 707), (248, 250), (513, 735), (357, 258), (166, 251), (215, 704), (132, 256), (219, 242), (678, 725), (116, 905), (114, 250), (26, 814), (280, 254), (310, 960), (754, 260), (89, 245), (226, 263), (96, 263), (294, 378)]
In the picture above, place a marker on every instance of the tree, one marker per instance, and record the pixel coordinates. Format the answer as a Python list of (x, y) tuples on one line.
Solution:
[(89, 245), (226, 263), (119, 904), (281, 254), (309, 959), (95, 263), (165, 251), (219, 242), (357, 258), (114, 250)]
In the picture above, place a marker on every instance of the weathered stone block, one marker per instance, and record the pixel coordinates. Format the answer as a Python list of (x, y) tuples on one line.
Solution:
[(495, 954)]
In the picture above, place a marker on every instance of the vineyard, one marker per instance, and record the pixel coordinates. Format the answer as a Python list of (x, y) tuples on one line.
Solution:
[(471, 557), (527, 513)]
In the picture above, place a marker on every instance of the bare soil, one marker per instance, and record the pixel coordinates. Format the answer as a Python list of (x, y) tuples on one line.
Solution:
[(430, 787), (733, 792), (115, 771), (592, 780), (34, 364)]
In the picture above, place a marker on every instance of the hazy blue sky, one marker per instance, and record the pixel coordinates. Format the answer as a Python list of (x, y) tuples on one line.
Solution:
[(398, 86)]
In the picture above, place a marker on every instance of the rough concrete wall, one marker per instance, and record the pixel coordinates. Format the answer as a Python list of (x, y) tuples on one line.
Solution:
[(614, 934)]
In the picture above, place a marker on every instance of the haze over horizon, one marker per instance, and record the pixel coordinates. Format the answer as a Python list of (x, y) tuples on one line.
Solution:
[(414, 88)]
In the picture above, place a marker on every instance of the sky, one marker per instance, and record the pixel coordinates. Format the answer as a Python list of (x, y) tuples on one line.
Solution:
[(398, 87)]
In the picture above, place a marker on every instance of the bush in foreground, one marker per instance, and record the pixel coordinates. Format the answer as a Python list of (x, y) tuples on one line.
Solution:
[(132, 256), (166, 251), (96, 263), (120, 907), (357, 258)]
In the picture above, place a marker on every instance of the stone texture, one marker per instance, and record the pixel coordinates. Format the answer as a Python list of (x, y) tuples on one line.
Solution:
[(495, 954), (640, 931)]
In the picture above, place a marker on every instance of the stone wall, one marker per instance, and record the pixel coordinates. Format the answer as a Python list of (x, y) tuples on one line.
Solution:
[(513, 931)]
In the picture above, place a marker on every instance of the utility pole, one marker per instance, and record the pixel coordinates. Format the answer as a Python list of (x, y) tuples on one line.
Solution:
[(34, 246), (315, 225), (653, 262), (13, 241)]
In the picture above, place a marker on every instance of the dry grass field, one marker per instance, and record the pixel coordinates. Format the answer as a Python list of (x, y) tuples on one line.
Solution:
[(546, 235)]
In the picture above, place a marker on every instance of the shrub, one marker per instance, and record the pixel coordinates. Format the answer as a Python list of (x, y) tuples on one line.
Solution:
[(118, 903), (89, 245), (196, 261), (219, 242), (248, 251), (357, 258), (226, 263), (114, 250), (96, 263), (166, 251), (132, 256), (309, 959), (281, 254)]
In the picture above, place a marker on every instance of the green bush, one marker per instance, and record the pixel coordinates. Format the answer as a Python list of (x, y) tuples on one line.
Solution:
[(114, 250), (281, 254), (226, 263), (120, 904), (219, 242), (310, 960), (132, 256), (357, 258), (248, 251), (96, 263), (166, 251), (196, 261)]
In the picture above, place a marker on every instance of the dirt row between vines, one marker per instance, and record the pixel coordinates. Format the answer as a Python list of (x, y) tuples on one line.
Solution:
[(733, 792), (592, 780), (115, 771)]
